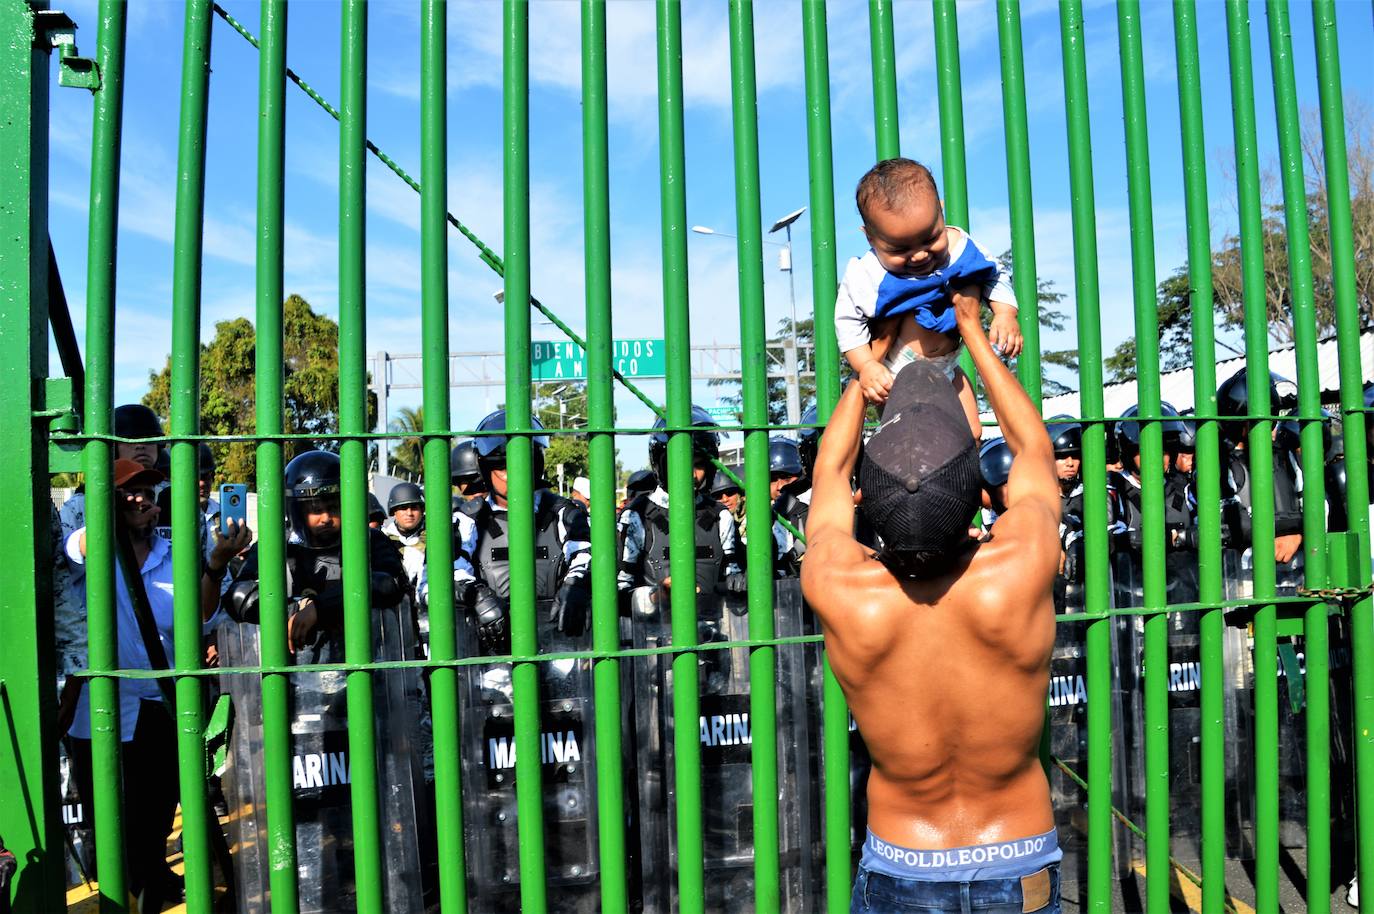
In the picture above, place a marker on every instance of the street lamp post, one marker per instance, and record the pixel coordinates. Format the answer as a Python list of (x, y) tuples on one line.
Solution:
[(791, 367)]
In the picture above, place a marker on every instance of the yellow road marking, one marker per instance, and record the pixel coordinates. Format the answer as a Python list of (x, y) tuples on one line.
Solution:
[(1185, 890)]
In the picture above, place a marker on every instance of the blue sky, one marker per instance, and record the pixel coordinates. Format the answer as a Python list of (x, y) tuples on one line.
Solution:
[(147, 203)]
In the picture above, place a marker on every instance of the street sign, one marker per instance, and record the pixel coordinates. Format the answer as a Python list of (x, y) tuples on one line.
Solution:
[(728, 414), (566, 361)]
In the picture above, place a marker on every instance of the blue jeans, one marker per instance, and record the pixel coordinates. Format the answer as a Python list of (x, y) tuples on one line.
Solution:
[(879, 893)]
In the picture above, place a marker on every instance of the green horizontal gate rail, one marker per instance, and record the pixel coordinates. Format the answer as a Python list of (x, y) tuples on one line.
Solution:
[(1337, 566)]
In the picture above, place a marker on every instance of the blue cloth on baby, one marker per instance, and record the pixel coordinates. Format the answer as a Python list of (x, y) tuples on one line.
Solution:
[(928, 296)]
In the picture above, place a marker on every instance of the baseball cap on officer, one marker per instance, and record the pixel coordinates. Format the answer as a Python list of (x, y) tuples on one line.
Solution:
[(919, 476)]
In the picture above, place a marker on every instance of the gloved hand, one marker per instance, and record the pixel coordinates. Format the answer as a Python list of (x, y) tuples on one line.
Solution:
[(571, 606), (733, 583), (491, 613)]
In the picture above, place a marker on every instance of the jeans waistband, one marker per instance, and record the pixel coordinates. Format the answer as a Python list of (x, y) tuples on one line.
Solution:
[(1004, 859)]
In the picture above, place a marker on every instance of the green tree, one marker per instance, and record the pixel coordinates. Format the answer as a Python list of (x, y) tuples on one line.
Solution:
[(408, 456), (1175, 293), (564, 405), (227, 393)]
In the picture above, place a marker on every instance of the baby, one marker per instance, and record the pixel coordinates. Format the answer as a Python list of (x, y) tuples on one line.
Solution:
[(895, 303)]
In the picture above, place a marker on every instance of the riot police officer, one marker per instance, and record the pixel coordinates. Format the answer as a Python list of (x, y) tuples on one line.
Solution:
[(464, 470), (1066, 436), (376, 514), (406, 526), (643, 525), (790, 490), (481, 566), (314, 566), (1233, 405), (994, 469), (1125, 491), (315, 632)]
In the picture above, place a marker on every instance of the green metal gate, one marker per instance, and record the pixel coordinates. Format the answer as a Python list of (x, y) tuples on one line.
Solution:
[(37, 413)]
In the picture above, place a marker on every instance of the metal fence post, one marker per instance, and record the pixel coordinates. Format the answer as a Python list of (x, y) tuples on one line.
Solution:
[(30, 817)]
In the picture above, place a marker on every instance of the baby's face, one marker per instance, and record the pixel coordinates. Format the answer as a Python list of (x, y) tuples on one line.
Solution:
[(909, 242)]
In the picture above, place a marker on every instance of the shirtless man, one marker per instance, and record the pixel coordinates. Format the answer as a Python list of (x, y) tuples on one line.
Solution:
[(942, 643)]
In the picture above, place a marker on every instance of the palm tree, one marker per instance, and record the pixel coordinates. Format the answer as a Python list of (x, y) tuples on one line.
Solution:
[(408, 455)]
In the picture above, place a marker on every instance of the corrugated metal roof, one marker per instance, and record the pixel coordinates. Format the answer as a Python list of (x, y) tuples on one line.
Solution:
[(1176, 387)]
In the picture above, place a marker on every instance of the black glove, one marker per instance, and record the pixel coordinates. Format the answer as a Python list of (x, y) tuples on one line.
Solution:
[(493, 620), (733, 583), (571, 607)]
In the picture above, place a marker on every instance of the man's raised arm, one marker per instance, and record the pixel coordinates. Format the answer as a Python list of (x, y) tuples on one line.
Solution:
[(1032, 468), (831, 518)]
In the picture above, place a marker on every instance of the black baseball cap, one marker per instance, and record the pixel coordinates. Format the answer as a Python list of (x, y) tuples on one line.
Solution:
[(920, 469)]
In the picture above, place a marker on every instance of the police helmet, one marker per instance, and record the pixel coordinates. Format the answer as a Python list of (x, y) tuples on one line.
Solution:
[(1066, 435), (994, 462), (463, 461), (205, 461), (784, 457), (641, 482), (705, 444), (134, 420), (491, 449), (1233, 401), (1336, 482), (1288, 433), (310, 476), (1128, 431), (405, 495), (725, 484), (375, 511), (1187, 435), (808, 440)]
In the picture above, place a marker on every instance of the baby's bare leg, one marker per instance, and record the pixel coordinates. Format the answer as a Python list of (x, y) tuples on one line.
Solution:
[(969, 402)]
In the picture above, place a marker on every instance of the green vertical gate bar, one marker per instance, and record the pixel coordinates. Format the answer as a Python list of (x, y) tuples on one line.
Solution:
[(1260, 452), (610, 789), (884, 53), (953, 165), (102, 644), (763, 710), (187, 523), (1096, 582), (821, 173), (519, 473), (1317, 650), (269, 403), (681, 493), (357, 609), (1207, 473), (1348, 323), (30, 818), (1158, 872), (443, 681), (1023, 269)]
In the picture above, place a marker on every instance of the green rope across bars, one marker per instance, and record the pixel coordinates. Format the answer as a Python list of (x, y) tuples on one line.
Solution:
[(487, 255)]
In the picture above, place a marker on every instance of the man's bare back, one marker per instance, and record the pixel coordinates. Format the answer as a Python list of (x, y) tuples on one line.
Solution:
[(946, 676)]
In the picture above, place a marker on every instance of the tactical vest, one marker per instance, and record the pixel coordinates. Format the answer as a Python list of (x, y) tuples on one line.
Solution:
[(491, 558), (709, 552)]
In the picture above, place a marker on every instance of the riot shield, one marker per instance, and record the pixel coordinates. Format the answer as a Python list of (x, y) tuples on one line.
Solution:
[(320, 771), (725, 735), (567, 745), (80, 852), (1128, 750), (1239, 711), (1067, 721)]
